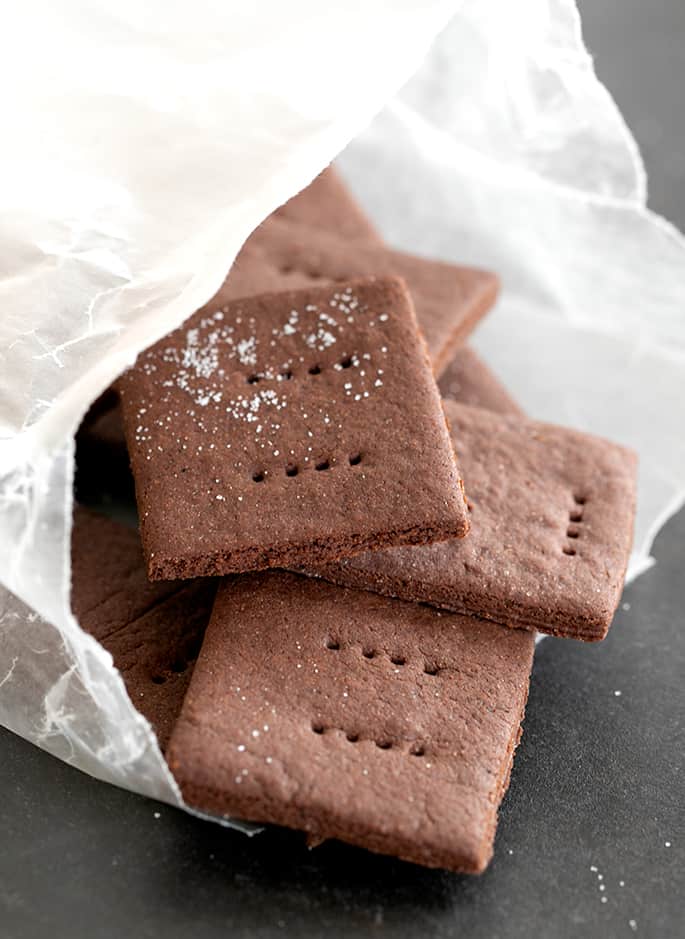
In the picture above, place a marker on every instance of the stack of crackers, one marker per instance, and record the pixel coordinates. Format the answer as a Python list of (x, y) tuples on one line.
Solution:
[(349, 537)]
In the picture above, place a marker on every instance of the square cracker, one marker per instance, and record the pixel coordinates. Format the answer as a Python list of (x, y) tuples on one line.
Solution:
[(289, 428), (153, 631), (281, 254), (348, 715), (552, 514)]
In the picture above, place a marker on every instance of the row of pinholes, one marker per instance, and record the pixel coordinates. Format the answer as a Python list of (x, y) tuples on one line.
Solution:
[(314, 369), (383, 743), (428, 667), (180, 664), (575, 517), (292, 469)]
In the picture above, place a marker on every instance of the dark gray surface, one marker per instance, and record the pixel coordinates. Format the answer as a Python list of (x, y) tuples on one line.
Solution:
[(639, 49), (597, 781)]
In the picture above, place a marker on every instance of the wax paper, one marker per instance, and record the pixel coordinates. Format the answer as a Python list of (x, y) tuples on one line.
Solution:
[(142, 143)]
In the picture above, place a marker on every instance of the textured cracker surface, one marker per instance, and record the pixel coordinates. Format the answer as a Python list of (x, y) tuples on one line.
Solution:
[(289, 428), (552, 515), (349, 715), (153, 631)]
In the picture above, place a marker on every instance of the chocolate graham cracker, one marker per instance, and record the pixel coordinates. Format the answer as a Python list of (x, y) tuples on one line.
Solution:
[(449, 299), (153, 631), (289, 428), (327, 203), (468, 380), (385, 724), (552, 515)]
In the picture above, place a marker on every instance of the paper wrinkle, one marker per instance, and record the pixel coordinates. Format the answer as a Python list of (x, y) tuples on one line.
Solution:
[(142, 147), (523, 92)]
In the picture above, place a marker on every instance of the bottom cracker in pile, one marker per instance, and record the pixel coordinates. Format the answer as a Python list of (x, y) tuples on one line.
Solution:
[(339, 712), (349, 715)]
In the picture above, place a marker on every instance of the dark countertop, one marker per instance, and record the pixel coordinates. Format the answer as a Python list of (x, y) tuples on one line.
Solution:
[(596, 798)]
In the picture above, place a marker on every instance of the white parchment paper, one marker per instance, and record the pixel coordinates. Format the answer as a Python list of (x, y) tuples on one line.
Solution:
[(141, 145)]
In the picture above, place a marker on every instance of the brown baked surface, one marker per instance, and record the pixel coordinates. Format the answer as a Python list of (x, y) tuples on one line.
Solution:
[(281, 254), (349, 715), (552, 515), (468, 380), (153, 631), (289, 428), (327, 203)]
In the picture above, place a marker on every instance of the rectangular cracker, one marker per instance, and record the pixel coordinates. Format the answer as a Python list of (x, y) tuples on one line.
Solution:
[(552, 514), (327, 203), (468, 380), (288, 428), (153, 631), (385, 724), (449, 299)]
